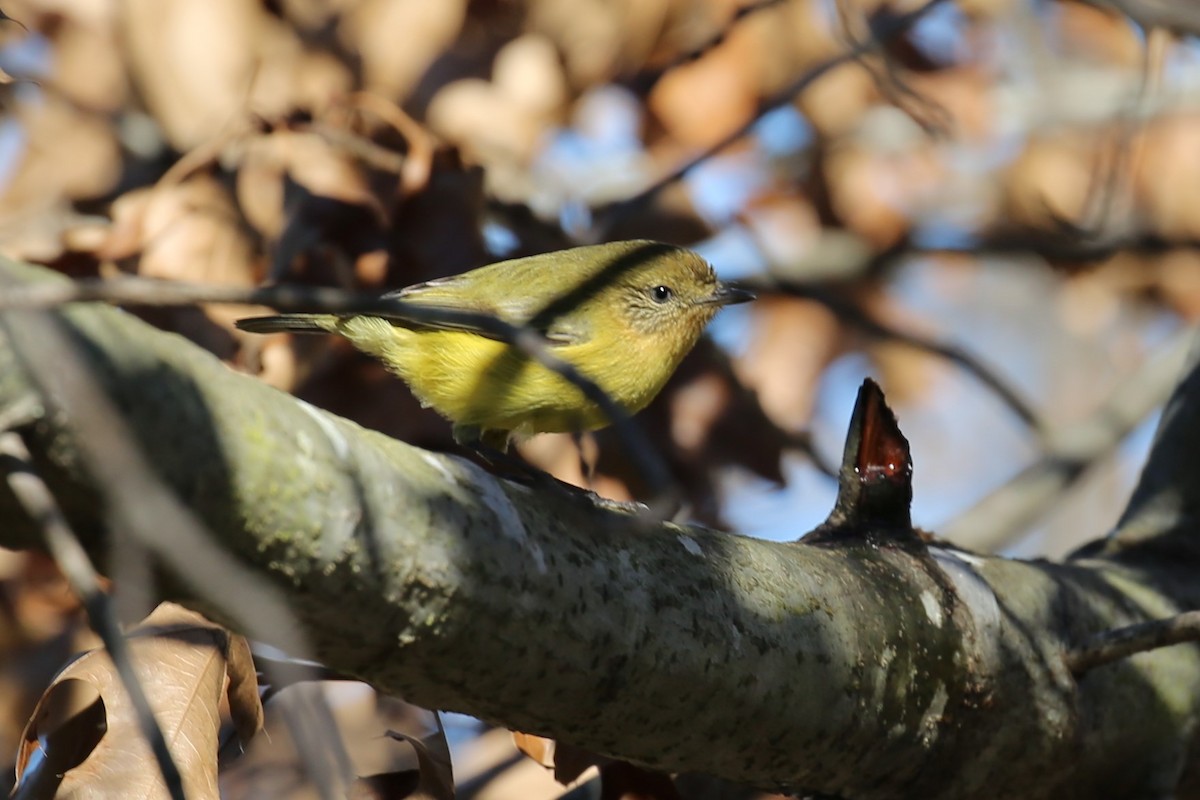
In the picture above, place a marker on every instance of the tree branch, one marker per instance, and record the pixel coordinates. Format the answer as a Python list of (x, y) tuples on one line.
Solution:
[(1105, 648), (849, 667)]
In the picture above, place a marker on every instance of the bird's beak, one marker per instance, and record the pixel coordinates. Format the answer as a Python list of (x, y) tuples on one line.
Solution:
[(727, 295)]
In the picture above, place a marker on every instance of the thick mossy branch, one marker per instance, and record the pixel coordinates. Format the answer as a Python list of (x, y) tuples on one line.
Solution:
[(848, 667)]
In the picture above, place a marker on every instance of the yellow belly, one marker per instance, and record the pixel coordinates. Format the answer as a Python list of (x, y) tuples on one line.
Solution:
[(480, 382)]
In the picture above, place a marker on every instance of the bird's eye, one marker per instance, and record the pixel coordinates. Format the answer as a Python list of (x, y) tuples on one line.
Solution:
[(661, 294)]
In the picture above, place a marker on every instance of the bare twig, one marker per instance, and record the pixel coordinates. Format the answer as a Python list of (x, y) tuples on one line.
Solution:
[(142, 291), (368, 152), (418, 161), (1114, 645), (1004, 514), (931, 116), (73, 560)]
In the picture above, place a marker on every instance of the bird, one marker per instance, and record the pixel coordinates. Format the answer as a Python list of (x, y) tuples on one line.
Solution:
[(623, 314)]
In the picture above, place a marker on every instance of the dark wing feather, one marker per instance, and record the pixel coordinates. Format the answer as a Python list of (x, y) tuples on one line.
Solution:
[(514, 291)]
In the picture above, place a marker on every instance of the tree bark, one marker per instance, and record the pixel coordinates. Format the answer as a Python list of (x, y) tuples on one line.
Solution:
[(852, 667)]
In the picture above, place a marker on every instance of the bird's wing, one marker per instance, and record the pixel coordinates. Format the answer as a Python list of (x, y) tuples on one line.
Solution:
[(523, 302)]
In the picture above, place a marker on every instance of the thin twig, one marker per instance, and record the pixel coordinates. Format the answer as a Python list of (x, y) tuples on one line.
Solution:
[(368, 152), (1001, 516), (931, 116), (33, 495), (418, 161), (149, 292), (1114, 645)]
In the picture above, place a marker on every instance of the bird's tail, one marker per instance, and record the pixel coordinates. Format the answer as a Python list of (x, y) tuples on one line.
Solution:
[(294, 323)]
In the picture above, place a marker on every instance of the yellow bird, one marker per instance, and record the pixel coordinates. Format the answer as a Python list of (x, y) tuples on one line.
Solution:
[(624, 314)]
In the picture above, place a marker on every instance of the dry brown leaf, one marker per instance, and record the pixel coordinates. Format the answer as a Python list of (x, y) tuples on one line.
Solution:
[(1099, 34), (911, 374), (835, 104), (88, 66), (528, 72), (436, 777), (325, 171), (1179, 282), (797, 37), (1050, 182), (875, 192), (964, 95), (484, 121), (539, 748), (259, 183), (40, 628), (291, 77), (567, 761), (86, 728), (72, 720), (189, 231), (587, 32), (193, 61), (791, 343), (647, 23), (703, 102), (69, 153), (38, 597), (397, 40), (1167, 177), (6, 18)]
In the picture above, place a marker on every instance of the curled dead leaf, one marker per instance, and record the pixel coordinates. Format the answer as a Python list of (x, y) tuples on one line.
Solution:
[(70, 721), (84, 740), (435, 775)]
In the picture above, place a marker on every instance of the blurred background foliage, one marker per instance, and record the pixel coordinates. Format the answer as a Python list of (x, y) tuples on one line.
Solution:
[(991, 205)]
